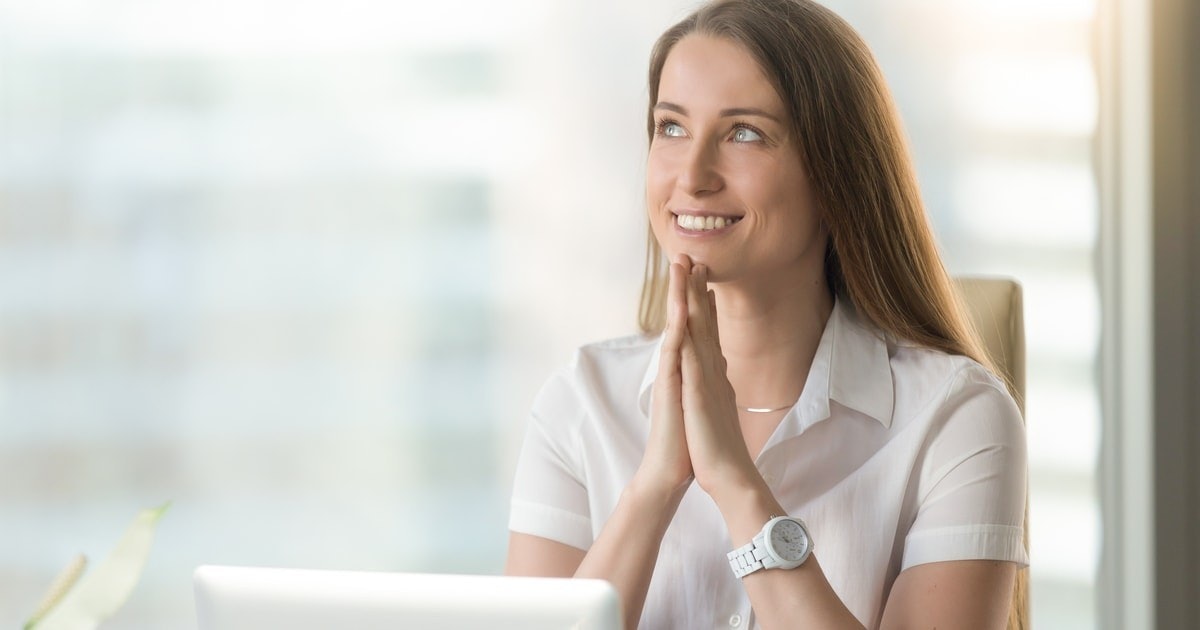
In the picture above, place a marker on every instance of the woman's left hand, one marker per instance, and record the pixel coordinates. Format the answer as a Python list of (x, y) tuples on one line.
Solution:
[(714, 435)]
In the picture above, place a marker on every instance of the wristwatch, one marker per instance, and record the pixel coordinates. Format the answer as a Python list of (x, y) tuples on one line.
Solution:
[(783, 543)]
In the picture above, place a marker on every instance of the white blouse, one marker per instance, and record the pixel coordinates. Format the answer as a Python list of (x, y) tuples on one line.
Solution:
[(894, 456)]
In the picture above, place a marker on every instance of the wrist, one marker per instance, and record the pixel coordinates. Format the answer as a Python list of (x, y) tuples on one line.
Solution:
[(733, 485), (746, 504), (655, 493)]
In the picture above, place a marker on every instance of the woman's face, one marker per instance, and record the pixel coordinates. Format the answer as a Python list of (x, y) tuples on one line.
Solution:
[(725, 183)]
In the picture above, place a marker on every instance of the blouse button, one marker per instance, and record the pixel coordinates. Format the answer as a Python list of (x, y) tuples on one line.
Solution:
[(735, 620)]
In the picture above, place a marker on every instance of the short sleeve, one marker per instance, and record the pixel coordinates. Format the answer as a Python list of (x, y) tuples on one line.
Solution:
[(549, 491), (972, 482)]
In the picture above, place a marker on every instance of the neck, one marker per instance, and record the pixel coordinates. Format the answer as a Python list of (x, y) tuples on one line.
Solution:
[(769, 334)]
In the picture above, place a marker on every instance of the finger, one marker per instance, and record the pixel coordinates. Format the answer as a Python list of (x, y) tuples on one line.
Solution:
[(677, 308), (689, 368), (713, 322), (697, 298), (700, 320), (677, 290), (668, 363)]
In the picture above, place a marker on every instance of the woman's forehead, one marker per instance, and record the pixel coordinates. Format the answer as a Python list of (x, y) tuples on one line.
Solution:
[(705, 73)]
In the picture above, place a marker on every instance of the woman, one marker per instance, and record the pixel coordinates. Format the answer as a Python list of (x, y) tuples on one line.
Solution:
[(814, 386)]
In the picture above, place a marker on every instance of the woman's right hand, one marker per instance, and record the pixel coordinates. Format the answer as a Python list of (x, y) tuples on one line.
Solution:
[(666, 465)]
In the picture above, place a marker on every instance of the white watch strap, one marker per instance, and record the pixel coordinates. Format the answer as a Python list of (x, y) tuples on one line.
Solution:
[(746, 559)]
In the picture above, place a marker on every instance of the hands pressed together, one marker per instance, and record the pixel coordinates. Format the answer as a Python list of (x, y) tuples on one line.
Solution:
[(694, 428)]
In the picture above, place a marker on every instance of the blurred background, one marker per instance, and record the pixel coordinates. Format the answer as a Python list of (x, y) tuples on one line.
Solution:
[(300, 267)]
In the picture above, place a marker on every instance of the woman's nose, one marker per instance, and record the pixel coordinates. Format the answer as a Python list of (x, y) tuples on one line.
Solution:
[(699, 173)]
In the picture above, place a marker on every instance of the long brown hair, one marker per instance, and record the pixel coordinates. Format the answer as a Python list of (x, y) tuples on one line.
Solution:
[(881, 256)]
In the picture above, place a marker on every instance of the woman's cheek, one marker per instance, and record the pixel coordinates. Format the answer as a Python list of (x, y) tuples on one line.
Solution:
[(659, 170)]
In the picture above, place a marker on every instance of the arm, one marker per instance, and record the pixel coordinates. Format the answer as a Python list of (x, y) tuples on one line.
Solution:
[(958, 594), (801, 597), (973, 472), (534, 556), (624, 554), (964, 593), (626, 550)]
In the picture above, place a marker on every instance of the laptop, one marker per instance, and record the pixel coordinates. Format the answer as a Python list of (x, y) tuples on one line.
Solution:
[(254, 598)]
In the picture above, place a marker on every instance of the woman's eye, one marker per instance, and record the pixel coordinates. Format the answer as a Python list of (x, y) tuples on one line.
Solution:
[(671, 130), (746, 134)]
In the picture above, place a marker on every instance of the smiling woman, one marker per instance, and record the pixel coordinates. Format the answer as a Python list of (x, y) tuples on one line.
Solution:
[(806, 369)]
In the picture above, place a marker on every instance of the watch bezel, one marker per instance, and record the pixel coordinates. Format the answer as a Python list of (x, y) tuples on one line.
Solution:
[(769, 544)]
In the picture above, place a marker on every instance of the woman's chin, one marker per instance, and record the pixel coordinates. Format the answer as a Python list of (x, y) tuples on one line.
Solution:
[(717, 275)]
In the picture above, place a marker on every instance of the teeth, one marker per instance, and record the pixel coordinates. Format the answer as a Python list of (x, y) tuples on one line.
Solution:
[(692, 222)]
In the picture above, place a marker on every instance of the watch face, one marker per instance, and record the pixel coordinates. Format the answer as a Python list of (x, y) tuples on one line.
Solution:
[(789, 540)]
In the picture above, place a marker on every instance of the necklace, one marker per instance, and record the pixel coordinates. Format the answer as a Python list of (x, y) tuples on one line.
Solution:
[(765, 409)]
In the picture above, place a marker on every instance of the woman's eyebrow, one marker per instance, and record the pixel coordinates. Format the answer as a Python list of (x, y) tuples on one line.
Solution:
[(725, 113)]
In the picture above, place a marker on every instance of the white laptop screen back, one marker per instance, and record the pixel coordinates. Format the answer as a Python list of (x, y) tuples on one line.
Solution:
[(252, 598)]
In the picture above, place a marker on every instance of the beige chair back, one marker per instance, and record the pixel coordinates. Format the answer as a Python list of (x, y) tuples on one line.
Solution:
[(997, 313)]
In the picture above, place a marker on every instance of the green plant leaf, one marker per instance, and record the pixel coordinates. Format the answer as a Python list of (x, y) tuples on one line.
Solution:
[(102, 591), (62, 584)]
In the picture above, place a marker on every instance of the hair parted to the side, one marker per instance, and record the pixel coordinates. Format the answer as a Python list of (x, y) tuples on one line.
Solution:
[(881, 257)]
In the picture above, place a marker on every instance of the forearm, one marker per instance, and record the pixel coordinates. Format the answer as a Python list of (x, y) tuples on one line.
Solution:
[(799, 597), (626, 550)]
